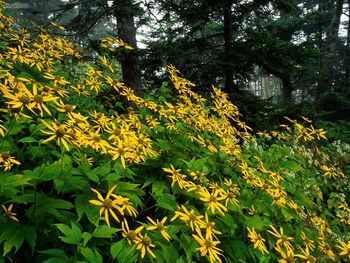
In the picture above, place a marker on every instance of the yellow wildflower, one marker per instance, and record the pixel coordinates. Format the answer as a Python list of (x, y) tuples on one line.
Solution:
[(285, 240), (107, 204), (59, 132), (7, 161), (212, 199), (128, 234), (257, 240), (144, 243), (160, 226), (345, 249), (189, 217), (9, 213), (208, 246)]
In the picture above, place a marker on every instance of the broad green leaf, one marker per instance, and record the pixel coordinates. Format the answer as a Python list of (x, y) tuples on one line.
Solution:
[(92, 256), (304, 200), (190, 245), (102, 170), (166, 201), (86, 238), (258, 222), (169, 252), (122, 252), (92, 176), (104, 231), (55, 252), (288, 215), (37, 151), (83, 206), (13, 239), (291, 166), (27, 140), (196, 164), (164, 144), (72, 235), (159, 187)]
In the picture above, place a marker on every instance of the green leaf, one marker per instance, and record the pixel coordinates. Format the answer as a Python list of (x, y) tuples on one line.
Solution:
[(31, 237), (58, 256), (230, 223), (86, 238), (72, 235), (180, 260), (92, 176), (122, 252), (14, 239), (103, 169), (258, 222), (196, 165), (54, 252), (164, 145), (14, 180), (92, 256), (291, 166), (104, 231), (83, 206), (166, 201), (304, 200), (37, 151), (189, 245), (229, 171), (169, 252), (159, 187), (27, 140), (288, 215)]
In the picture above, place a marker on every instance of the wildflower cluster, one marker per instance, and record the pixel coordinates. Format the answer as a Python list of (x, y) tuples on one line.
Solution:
[(182, 177)]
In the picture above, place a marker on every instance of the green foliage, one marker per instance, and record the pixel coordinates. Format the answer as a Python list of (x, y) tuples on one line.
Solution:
[(182, 177)]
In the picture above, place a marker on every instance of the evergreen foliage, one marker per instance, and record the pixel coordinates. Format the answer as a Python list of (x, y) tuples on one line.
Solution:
[(180, 177)]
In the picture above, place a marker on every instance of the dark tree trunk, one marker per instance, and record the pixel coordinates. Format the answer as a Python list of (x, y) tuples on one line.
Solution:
[(347, 58), (228, 30), (327, 64), (129, 63), (287, 90)]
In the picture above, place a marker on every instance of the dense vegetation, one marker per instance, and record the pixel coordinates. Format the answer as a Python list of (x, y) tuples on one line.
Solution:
[(175, 177)]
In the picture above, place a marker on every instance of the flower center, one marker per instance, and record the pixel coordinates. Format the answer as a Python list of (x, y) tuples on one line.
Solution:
[(108, 203), (68, 108), (5, 155), (60, 132), (24, 99), (38, 98), (146, 241), (131, 235)]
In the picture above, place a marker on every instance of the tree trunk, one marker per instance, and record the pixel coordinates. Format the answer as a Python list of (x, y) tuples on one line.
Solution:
[(327, 64), (45, 13), (347, 56), (228, 31), (287, 90), (129, 62), (266, 87)]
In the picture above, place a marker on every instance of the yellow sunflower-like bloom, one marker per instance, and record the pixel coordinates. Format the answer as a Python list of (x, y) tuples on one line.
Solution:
[(144, 243), (9, 213), (160, 226), (208, 246), (59, 132), (107, 204), (281, 237), (128, 234), (257, 240), (345, 249), (212, 199)]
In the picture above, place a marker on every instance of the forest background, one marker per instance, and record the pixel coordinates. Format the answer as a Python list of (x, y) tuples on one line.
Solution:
[(109, 153), (271, 57)]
